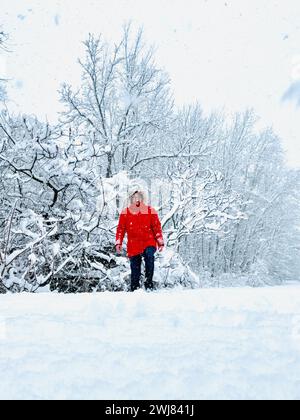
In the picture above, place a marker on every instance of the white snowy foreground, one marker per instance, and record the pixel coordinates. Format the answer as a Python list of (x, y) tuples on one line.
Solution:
[(203, 344)]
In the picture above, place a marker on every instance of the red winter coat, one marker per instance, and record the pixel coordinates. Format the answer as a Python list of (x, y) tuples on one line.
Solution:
[(142, 226)]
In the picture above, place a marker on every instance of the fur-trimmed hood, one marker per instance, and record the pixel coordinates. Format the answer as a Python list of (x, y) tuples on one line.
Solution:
[(132, 190)]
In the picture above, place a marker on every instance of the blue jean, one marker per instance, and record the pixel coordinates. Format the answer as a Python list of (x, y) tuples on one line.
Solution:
[(136, 266)]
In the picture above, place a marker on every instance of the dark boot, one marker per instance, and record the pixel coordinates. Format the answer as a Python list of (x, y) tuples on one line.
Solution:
[(135, 264), (149, 267)]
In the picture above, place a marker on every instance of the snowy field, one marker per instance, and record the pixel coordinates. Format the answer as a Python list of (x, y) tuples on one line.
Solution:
[(204, 344)]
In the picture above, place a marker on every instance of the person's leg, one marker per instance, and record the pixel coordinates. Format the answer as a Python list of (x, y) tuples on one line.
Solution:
[(135, 265), (149, 266)]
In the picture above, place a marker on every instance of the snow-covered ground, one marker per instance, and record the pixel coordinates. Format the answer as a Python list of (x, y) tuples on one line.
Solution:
[(179, 344)]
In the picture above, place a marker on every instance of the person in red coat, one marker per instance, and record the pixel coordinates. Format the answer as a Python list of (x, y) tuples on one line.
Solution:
[(144, 233)]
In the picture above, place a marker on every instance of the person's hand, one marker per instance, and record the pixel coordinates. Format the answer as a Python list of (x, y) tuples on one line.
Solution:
[(161, 244), (119, 249)]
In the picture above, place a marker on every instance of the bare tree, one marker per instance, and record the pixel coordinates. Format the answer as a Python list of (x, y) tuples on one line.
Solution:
[(123, 100), (3, 38)]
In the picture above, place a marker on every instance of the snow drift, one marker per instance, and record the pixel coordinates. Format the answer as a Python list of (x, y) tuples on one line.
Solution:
[(172, 344)]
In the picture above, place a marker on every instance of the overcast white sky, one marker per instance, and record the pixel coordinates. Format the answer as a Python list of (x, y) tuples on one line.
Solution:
[(231, 53)]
